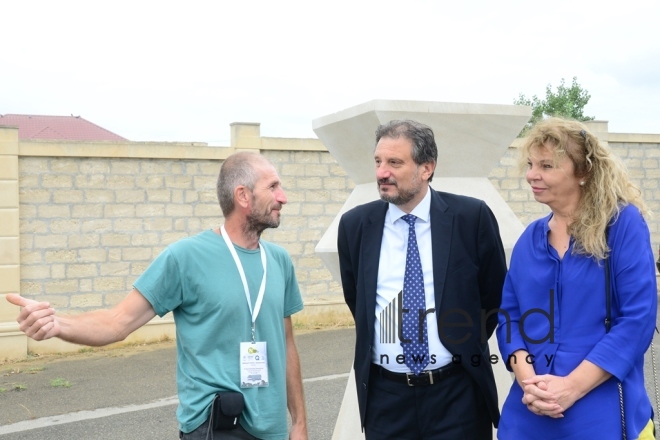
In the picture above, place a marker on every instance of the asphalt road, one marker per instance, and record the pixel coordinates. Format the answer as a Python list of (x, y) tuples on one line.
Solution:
[(131, 393)]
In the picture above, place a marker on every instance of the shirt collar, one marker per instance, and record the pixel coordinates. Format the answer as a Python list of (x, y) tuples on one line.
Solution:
[(422, 211)]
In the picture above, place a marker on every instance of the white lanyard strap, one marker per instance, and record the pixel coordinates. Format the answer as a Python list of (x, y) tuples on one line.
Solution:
[(239, 266)]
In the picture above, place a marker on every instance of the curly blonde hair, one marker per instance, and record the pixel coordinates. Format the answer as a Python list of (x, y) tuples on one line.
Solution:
[(607, 187)]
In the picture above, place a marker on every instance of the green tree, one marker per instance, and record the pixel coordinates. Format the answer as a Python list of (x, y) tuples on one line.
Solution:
[(568, 102)]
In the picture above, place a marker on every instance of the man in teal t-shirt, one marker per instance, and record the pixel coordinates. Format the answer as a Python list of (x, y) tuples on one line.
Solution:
[(222, 303)]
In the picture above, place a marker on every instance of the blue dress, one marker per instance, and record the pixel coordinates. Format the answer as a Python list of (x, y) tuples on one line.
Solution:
[(555, 309)]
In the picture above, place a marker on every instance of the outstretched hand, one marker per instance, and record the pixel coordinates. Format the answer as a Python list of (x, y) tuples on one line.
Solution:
[(37, 319)]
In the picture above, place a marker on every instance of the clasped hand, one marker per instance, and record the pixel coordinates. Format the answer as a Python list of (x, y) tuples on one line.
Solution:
[(549, 395)]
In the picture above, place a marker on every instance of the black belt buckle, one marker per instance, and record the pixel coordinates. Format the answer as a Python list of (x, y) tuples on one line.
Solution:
[(412, 375)]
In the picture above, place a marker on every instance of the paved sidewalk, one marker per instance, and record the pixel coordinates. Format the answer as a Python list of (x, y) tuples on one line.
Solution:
[(131, 393)]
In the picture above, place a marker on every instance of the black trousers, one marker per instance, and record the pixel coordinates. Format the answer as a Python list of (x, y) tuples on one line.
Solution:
[(453, 409)]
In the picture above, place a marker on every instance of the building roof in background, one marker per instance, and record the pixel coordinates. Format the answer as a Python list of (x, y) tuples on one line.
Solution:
[(69, 128)]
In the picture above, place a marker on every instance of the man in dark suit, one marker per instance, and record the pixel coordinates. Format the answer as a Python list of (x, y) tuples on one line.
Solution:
[(422, 273)]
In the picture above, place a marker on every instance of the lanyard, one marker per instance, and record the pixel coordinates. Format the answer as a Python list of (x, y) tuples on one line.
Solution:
[(239, 266)]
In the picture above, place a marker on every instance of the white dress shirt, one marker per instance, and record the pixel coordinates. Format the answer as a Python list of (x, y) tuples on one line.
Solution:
[(387, 351)]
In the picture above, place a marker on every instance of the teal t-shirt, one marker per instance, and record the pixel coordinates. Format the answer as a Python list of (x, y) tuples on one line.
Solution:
[(197, 279)]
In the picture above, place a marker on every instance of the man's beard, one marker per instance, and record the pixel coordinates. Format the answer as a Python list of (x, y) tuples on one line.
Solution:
[(257, 222), (402, 197)]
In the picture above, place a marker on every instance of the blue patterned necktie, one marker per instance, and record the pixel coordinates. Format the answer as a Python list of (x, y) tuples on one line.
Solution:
[(416, 345)]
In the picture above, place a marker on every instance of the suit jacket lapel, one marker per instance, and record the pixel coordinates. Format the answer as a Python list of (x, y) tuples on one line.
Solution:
[(441, 233), (371, 241)]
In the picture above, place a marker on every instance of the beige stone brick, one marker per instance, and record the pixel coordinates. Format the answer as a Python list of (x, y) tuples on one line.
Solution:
[(122, 210), (66, 226), (94, 255), (279, 236), (174, 210), (90, 181), (193, 225), (209, 196), (121, 268), (112, 299), (61, 165), (50, 241), (633, 163), (316, 288), (636, 152), (309, 209), (652, 150), (99, 196), (336, 170), (58, 271), (158, 224), (144, 239), (87, 300), (650, 184), (137, 254), (652, 174), (26, 242), (128, 224), (60, 286), (191, 196), (176, 168), (77, 241), (497, 172), (289, 222), (114, 254), (180, 224), (201, 183), (177, 196), (171, 237), (321, 222), (149, 181), (159, 195), (61, 256), (81, 270), (305, 157), (32, 288), (151, 167), (125, 167), (309, 262), (67, 196), (38, 272), (86, 285), (120, 182), (34, 195), (317, 196), (310, 235), (115, 240), (294, 249), (137, 267), (339, 196), (31, 257), (518, 196), (87, 211), (310, 249), (130, 196), (292, 169), (104, 284), (54, 211), (150, 210), (56, 181), (650, 163), (210, 168), (56, 301), (207, 210), (306, 183), (97, 225), (191, 168), (28, 181), (95, 166), (510, 184), (302, 276), (32, 165), (332, 208), (320, 170), (8, 194), (179, 182)]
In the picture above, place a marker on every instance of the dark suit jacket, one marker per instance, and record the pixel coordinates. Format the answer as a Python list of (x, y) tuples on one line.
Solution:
[(468, 275)]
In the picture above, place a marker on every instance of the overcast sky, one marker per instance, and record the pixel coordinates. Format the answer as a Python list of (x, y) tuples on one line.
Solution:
[(183, 71)]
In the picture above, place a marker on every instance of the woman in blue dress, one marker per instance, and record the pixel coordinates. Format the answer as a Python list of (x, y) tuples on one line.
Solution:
[(552, 330)]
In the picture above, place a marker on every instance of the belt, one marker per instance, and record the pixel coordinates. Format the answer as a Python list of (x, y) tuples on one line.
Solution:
[(428, 377)]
